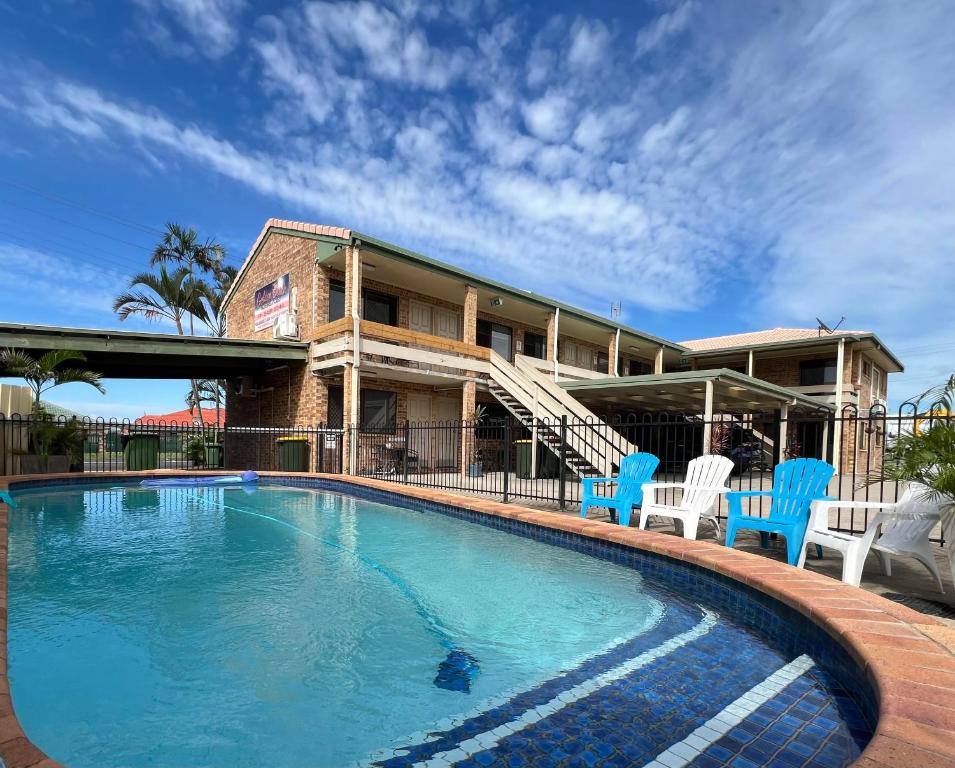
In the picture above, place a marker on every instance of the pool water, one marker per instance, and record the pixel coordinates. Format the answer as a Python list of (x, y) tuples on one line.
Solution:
[(300, 627)]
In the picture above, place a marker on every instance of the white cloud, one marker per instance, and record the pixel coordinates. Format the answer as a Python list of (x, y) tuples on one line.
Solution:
[(666, 26), (183, 27), (589, 41), (549, 117), (778, 166)]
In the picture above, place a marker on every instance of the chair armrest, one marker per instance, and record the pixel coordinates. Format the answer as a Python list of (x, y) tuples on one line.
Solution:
[(654, 486), (594, 480), (740, 494), (828, 502)]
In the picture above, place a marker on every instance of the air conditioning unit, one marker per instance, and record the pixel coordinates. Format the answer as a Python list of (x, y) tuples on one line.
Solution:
[(285, 326)]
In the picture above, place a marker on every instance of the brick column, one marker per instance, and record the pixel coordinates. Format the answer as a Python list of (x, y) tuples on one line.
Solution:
[(613, 352), (470, 315), (468, 393), (551, 339)]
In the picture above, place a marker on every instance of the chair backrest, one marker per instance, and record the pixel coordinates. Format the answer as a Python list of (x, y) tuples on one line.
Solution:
[(796, 484), (704, 472), (917, 499), (635, 470)]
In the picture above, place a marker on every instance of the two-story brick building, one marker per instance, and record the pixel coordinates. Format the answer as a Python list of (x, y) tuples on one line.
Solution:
[(396, 336)]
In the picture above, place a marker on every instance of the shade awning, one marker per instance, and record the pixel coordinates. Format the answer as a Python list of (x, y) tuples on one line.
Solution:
[(685, 391)]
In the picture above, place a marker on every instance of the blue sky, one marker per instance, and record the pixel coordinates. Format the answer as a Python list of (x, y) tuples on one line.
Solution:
[(714, 166)]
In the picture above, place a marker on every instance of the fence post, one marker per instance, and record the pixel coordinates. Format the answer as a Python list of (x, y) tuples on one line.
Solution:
[(404, 457), (507, 457), (562, 469)]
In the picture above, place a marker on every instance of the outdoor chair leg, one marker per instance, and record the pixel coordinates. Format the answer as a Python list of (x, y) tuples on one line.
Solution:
[(764, 539)]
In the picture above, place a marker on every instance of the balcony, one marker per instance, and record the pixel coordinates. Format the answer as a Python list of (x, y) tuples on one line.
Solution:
[(399, 353)]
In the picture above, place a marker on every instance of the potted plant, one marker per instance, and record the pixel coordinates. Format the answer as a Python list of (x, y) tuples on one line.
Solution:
[(52, 446), (926, 455), (477, 417)]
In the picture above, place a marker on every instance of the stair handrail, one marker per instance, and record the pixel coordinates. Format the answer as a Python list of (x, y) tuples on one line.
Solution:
[(557, 403)]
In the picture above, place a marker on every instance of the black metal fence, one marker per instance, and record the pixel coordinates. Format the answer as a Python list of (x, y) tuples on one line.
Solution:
[(532, 460), (543, 462)]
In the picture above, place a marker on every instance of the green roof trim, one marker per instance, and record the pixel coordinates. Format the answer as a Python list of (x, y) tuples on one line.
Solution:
[(519, 293), (795, 344), (695, 377)]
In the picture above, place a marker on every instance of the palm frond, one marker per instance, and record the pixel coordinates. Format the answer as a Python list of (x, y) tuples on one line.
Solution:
[(79, 376)]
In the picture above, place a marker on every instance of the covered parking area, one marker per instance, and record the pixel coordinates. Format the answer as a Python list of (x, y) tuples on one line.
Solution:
[(138, 355), (711, 405)]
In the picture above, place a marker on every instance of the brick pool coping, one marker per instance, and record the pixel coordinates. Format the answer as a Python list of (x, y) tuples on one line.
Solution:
[(908, 657)]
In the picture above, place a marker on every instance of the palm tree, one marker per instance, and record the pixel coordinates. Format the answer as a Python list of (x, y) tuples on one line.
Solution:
[(927, 455), (208, 391), (181, 246), (171, 296), (214, 296), (41, 375)]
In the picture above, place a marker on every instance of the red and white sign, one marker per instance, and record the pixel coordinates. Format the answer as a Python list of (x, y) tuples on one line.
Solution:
[(271, 301)]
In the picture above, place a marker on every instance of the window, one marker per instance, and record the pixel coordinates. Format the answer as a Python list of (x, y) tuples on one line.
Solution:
[(336, 300), (863, 436), (336, 407), (878, 382), (379, 411), (814, 372), (380, 307), (637, 368), (603, 362), (495, 336), (535, 345), (866, 369)]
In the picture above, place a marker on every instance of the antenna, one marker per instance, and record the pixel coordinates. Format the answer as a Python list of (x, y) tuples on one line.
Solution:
[(827, 329), (615, 310)]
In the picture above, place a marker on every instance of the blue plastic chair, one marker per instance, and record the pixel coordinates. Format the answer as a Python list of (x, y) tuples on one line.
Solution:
[(796, 484), (7, 499), (635, 470)]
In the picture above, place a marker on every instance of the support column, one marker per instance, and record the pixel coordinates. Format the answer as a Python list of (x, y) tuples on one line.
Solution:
[(351, 386), (658, 362), (837, 448), (750, 364), (553, 335), (783, 430), (614, 354), (708, 418), (469, 332), (468, 425)]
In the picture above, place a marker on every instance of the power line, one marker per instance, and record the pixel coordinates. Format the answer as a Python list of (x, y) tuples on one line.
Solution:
[(73, 254), (79, 226), (80, 206)]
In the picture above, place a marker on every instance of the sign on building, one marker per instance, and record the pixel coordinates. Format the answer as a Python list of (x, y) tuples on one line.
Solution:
[(271, 301)]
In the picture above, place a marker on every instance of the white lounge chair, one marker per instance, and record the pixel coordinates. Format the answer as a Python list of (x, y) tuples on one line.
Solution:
[(705, 480), (906, 526)]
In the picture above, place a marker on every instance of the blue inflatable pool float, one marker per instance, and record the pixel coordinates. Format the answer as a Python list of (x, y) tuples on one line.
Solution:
[(193, 482)]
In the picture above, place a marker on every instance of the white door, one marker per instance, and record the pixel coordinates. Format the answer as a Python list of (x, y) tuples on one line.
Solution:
[(419, 415), (448, 437), (447, 323), (420, 317)]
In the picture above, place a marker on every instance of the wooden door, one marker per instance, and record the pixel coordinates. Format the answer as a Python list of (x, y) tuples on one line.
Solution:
[(448, 437), (419, 415), (420, 317), (447, 323)]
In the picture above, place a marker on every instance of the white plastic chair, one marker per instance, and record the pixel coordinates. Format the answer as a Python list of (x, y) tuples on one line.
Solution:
[(906, 526), (706, 478)]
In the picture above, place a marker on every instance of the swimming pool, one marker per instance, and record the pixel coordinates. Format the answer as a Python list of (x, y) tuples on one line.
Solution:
[(302, 626)]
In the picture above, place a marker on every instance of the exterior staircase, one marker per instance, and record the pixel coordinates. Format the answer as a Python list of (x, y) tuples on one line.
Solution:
[(593, 447)]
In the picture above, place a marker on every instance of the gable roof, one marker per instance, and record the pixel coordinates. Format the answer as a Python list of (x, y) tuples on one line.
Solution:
[(319, 231), (184, 418)]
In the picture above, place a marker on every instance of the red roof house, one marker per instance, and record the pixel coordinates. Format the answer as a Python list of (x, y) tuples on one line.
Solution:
[(185, 418)]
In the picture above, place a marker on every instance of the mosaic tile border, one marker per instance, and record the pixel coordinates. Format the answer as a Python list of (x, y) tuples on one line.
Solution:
[(904, 660)]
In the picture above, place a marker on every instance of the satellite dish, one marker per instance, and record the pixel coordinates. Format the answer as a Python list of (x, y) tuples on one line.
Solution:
[(827, 329)]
